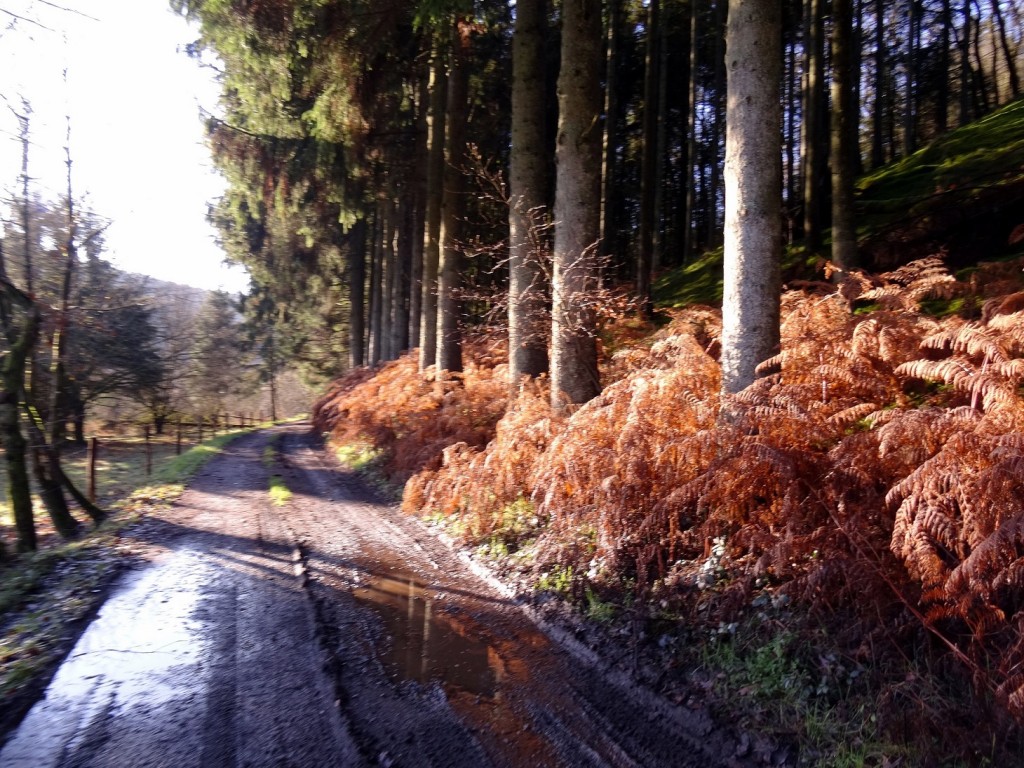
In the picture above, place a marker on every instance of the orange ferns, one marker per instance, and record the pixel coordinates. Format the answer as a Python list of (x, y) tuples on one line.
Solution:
[(878, 461)]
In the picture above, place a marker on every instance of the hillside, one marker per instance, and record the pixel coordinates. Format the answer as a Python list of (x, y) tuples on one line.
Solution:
[(963, 195), (839, 568)]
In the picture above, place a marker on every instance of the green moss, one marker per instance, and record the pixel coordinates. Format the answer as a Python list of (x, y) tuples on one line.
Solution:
[(699, 282), (985, 153), (944, 307)]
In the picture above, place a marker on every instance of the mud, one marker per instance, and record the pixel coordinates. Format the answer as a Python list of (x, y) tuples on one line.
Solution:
[(333, 631)]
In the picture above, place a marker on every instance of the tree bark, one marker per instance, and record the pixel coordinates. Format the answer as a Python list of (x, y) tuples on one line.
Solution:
[(390, 266), (814, 129), (356, 268), (910, 92), (1008, 54), (878, 155), (432, 214), (15, 445), (689, 170), (419, 184), (790, 149), (527, 340), (844, 235), (609, 185), (376, 345), (753, 242), (965, 65), (649, 160), (406, 222), (942, 94), (711, 237), (574, 374), (449, 306)]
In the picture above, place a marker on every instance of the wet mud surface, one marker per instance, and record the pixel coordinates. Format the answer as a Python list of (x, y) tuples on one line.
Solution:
[(332, 631)]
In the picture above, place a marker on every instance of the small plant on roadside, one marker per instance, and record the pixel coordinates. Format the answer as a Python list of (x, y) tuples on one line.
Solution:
[(598, 609), (271, 450), (280, 494), (557, 580), (359, 457)]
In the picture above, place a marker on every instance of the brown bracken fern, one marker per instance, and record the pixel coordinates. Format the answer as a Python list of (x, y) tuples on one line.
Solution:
[(875, 468)]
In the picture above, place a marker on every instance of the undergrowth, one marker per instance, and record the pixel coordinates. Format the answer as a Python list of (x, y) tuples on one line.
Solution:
[(864, 506)]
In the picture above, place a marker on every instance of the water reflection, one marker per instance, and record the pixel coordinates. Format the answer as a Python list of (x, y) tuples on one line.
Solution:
[(427, 642)]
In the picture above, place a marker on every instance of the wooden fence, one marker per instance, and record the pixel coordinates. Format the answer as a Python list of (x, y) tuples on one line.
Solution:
[(182, 431)]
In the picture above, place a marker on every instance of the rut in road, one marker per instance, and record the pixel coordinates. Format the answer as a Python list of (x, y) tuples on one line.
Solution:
[(332, 631)]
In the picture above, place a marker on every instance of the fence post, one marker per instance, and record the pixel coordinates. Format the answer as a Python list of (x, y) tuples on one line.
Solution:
[(91, 460), (177, 440), (149, 453)]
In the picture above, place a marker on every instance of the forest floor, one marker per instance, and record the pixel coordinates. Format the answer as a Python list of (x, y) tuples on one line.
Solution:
[(282, 612)]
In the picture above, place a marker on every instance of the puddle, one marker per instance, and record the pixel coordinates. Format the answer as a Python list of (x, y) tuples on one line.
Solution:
[(427, 643)]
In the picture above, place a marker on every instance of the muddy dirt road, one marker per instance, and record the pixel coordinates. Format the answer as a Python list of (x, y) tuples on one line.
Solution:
[(331, 631)]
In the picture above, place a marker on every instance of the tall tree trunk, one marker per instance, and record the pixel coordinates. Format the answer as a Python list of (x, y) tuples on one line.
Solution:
[(844, 235), (609, 182), (910, 92), (1008, 54), (49, 482), (689, 169), (574, 374), (23, 135), (389, 262), (942, 94), (12, 370), (649, 160), (403, 261), (453, 203), (527, 293), (58, 406), (661, 153), (966, 75), (856, 63), (356, 272), (878, 155), (717, 125), (676, 253), (753, 242), (980, 89), (432, 214), (814, 130), (376, 346), (400, 256), (420, 214), (789, 148)]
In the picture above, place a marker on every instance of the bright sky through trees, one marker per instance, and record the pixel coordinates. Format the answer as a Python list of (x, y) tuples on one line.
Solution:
[(134, 98)]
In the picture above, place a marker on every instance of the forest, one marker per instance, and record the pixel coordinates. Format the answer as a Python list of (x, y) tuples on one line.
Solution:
[(704, 318), (703, 315)]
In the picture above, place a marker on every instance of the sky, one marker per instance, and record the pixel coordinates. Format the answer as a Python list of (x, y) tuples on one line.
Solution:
[(134, 99)]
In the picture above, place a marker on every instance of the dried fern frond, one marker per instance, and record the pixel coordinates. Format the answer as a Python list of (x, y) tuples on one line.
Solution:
[(905, 288)]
